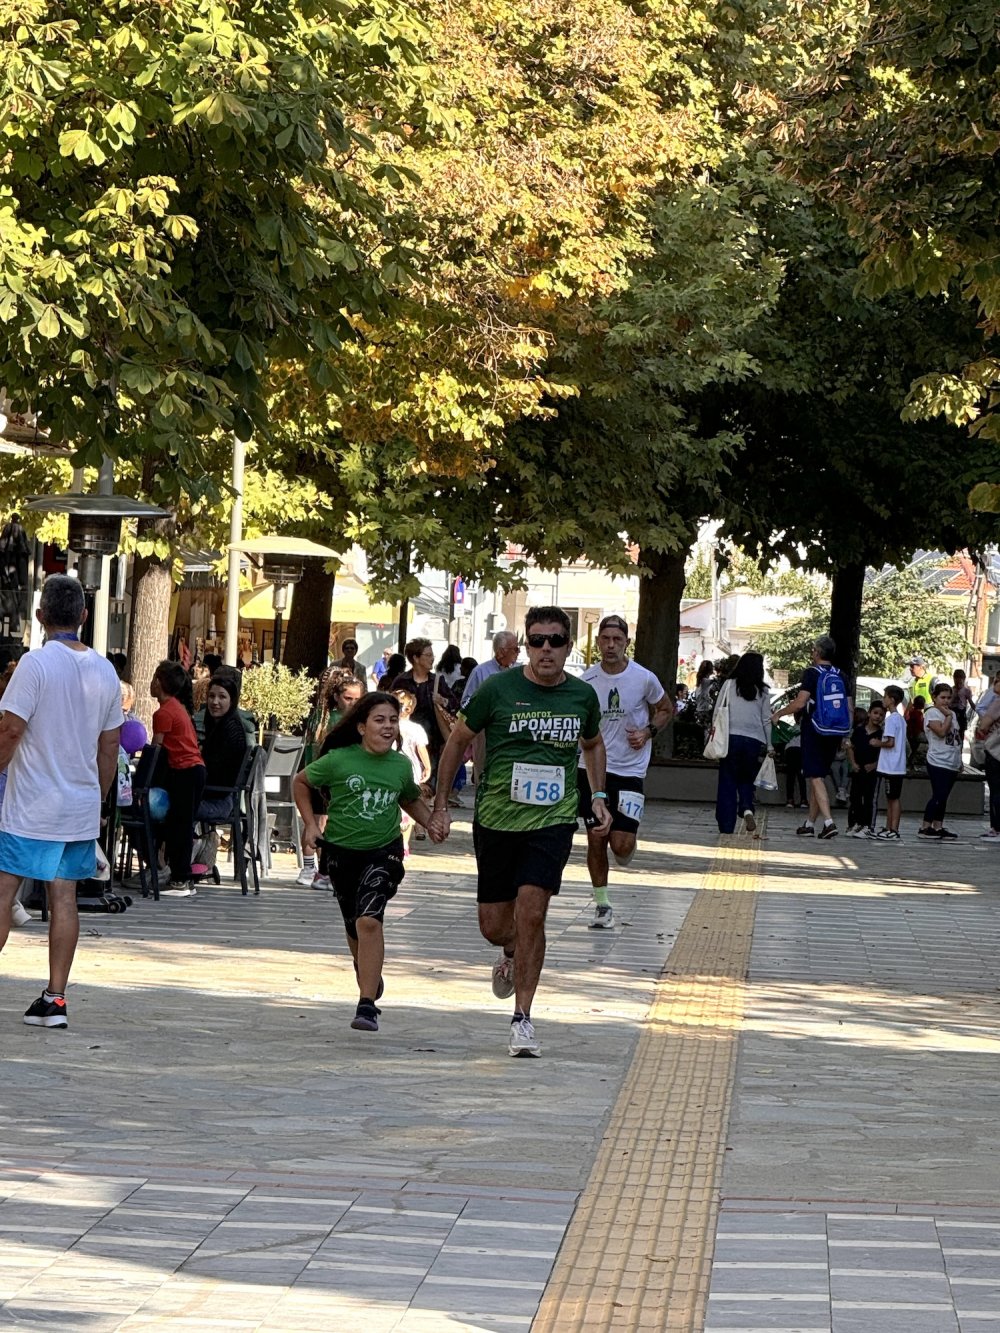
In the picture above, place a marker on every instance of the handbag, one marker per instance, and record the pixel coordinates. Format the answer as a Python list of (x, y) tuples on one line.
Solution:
[(717, 745), (767, 776)]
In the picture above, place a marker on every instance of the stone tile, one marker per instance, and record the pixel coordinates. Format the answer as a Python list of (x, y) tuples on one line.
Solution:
[(887, 1255), (881, 1228), (898, 1318), (904, 1286)]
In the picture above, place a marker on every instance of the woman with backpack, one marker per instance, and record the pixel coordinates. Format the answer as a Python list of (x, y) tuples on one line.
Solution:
[(821, 709)]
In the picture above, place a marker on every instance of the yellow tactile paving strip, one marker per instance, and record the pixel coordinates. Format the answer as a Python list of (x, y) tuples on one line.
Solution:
[(638, 1252)]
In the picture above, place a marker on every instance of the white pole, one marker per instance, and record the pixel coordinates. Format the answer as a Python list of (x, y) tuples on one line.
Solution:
[(235, 536), (102, 597)]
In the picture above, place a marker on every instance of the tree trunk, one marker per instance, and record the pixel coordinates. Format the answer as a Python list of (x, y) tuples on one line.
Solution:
[(658, 632), (307, 641), (845, 620), (149, 625), (657, 636)]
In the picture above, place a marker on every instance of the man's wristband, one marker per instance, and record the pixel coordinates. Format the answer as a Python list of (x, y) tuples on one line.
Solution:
[(598, 795), (652, 730), (439, 810)]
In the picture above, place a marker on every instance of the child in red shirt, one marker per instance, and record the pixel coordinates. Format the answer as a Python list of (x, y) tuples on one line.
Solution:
[(182, 775)]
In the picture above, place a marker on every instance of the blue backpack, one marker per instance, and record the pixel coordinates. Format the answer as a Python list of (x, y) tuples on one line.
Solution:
[(831, 711)]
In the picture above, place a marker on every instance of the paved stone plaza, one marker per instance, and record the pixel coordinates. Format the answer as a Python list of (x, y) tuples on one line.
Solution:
[(767, 1101)]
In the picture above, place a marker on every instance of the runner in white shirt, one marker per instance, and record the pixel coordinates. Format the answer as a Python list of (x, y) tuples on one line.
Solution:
[(634, 707)]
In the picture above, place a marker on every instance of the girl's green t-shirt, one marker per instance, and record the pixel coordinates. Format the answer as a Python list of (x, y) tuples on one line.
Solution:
[(365, 791)]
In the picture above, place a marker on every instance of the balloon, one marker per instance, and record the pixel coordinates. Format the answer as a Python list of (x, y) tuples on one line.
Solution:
[(159, 803), (133, 736)]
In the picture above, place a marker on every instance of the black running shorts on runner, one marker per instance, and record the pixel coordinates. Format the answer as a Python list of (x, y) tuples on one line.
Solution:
[(614, 786), (509, 858), (364, 881)]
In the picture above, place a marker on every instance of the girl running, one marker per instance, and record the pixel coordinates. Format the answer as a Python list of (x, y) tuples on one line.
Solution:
[(368, 780)]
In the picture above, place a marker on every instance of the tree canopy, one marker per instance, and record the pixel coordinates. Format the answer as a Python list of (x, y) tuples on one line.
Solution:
[(899, 128), (899, 617), (178, 208)]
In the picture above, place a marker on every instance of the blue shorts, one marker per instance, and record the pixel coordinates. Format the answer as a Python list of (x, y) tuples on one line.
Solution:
[(33, 858)]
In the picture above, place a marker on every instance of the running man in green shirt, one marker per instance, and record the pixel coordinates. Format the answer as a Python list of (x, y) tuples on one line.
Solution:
[(533, 719), (368, 780)]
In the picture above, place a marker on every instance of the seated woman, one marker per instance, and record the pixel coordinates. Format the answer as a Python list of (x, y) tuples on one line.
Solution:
[(223, 748)]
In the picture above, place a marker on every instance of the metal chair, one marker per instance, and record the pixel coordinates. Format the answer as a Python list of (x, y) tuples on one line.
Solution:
[(136, 832), (244, 845), (284, 755)]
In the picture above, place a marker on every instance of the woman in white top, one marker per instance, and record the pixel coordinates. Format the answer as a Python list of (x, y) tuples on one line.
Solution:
[(987, 726), (944, 761), (749, 705)]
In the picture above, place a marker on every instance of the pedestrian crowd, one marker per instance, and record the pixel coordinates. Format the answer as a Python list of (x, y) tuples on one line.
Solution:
[(386, 753)]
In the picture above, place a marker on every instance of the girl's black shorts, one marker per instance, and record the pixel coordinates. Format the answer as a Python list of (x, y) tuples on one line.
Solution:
[(363, 881)]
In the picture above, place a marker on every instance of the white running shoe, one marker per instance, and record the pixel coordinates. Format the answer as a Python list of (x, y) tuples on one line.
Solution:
[(320, 882), (859, 832), (749, 823), (522, 1038), (503, 977), (623, 861), (306, 876), (991, 835), (19, 915), (604, 917)]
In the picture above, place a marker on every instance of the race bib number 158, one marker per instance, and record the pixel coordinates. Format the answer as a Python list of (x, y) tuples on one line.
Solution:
[(537, 784)]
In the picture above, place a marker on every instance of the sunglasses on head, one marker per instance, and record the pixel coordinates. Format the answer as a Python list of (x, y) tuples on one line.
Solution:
[(540, 640)]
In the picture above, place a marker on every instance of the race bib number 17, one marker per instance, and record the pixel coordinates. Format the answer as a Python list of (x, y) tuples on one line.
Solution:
[(631, 804), (537, 784)]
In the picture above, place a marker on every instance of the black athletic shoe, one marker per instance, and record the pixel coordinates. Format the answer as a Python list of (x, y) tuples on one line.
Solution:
[(827, 831), (946, 835), (366, 1018), (806, 831), (47, 1013)]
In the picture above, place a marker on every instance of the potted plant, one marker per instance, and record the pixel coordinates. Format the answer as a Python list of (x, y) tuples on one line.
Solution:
[(279, 699)]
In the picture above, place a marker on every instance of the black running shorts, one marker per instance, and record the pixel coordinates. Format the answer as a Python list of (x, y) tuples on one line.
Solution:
[(614, 786), (892, 785), (509, 858), (363, 881)]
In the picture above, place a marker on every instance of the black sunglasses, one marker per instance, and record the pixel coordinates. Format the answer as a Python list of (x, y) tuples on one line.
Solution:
[(540, 640)]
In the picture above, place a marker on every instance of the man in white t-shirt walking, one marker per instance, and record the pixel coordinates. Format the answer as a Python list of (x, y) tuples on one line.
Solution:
[(62, 715), (634, 707)]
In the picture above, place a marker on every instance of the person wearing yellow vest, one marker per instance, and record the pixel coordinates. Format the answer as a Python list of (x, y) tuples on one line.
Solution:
[(922, 678)]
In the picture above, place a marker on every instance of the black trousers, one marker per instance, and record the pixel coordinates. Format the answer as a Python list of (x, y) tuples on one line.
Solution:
[(861, 808), (184, 787), (794, 778)]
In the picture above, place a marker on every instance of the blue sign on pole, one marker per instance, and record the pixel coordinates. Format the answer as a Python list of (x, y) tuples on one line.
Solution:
[(458, 591)]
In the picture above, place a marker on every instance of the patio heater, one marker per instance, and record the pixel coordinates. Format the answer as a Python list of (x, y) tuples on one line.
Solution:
[(282, 561), (95, 529)]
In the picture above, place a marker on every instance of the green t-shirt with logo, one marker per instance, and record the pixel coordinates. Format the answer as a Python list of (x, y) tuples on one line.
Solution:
[(532, 733), (365, 791)]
